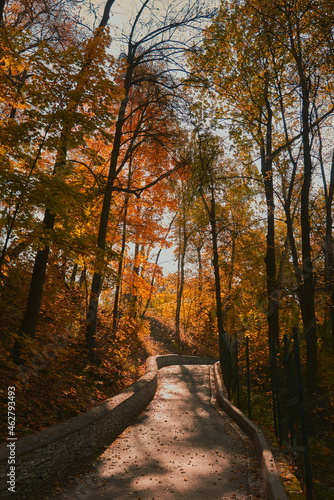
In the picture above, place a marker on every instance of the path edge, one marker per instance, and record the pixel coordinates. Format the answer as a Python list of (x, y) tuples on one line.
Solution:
[(273, 486), (49, 456)]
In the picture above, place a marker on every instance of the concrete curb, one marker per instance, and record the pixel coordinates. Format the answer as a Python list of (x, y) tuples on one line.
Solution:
[(273, 486), (47, 457)]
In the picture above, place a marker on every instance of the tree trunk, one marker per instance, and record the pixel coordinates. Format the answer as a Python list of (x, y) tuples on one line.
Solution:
[(328, 248), (30, 318), (270, 258), (181, 275), (134, 292), (29, 323), (308, 309), (115, 316), (230, 280), (200, 281), (74, 274), (148, 302), (308, 285), (215, 262), (103, 227), (2, 6), (120, 264), (330, 260)]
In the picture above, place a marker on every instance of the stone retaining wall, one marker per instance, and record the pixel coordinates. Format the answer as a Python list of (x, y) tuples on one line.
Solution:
[(50, 455)]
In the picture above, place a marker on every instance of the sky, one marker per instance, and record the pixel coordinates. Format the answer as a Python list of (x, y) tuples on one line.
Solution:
[(167, 261), (123, 11)]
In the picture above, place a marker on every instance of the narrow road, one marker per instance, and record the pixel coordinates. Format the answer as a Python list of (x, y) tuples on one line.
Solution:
[(181, 447)]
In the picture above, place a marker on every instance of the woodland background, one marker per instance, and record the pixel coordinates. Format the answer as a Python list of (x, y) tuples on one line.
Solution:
[(205, 130)]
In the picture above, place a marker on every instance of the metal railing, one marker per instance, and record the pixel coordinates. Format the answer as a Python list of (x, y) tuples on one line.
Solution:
[(288, 405)]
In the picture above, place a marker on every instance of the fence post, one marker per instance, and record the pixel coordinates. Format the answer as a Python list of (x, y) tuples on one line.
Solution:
[(228, 365), (273, 364), (248, 378), (222, 352), (237, 370), (307, 465), (292, 394), (274, 389)]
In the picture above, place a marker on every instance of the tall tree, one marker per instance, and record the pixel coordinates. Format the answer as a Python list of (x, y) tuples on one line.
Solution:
[(238, 72), (31, 96), (267, 61), (92, 54), (297, 32), (150, 42), (184, 232), (208, 155)]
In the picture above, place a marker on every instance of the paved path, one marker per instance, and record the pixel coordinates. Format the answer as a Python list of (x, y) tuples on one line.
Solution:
[(181, 447)]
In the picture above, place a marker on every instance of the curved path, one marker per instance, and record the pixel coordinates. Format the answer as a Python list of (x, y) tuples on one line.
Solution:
[(181, 447)]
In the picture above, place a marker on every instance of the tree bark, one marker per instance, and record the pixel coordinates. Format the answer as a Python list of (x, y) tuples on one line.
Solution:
[(115, 316), (2, 7), (308, 285), (230, 280), (308, 309), (29, 322), (180, 287), (200, 281), (270, 258), (215, 262), (328, 247), (103, 226), (74, 274), (134, 292), (211, 211)]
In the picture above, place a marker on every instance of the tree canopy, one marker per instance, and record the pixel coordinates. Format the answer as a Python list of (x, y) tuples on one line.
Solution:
[(206, 131)]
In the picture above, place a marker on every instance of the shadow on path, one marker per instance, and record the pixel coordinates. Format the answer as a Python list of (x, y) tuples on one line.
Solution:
[(180, 447)]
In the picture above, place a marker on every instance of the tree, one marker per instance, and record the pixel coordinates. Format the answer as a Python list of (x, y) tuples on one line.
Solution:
[(184, 232), (208, 156), (31, 96), (240, 76), (148, 44), (264, 61), (76, 97), (297, 31)]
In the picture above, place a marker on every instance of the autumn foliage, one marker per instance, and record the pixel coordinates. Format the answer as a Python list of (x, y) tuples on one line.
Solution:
[(205, 133)]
